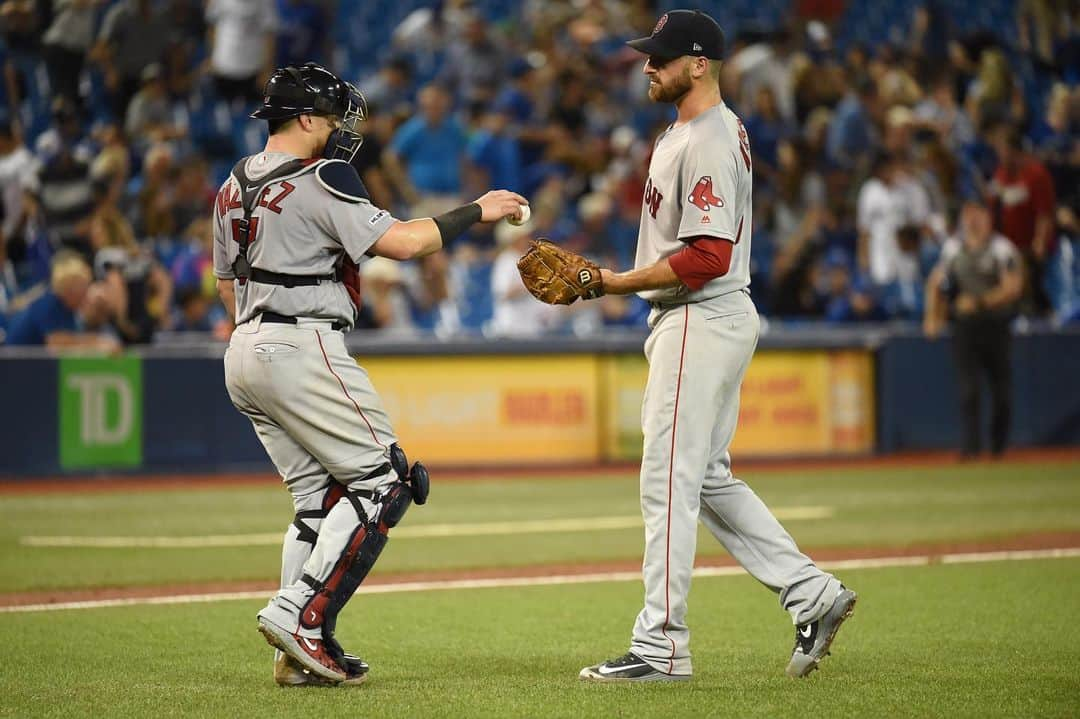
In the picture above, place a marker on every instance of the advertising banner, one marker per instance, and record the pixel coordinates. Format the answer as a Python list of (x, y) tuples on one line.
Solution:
[(101, 412), (793, 403), (490, 410)]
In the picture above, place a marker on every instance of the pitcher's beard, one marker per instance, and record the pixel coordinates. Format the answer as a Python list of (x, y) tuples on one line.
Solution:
[(672, 92)]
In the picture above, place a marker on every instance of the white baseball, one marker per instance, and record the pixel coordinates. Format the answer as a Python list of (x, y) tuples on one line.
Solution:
[(526, 213)]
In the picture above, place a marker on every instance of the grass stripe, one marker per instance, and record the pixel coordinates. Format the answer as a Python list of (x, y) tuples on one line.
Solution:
[(559, 579), (537, 526)]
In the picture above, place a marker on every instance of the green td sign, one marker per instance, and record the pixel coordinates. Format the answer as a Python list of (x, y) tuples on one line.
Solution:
[(100, 412)]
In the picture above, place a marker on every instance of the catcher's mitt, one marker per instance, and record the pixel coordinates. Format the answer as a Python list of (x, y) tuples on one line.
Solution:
[(558, 277)]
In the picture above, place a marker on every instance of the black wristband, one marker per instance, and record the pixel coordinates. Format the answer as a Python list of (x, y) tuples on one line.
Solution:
[(454, 223)]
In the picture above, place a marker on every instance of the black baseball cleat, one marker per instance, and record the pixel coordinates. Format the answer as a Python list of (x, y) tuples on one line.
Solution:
[(812, 640), (628, 668)]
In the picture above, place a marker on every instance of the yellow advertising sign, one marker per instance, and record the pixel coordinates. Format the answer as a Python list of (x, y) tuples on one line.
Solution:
[(492, 410), (793, 403), (851, 401), (474, 410)]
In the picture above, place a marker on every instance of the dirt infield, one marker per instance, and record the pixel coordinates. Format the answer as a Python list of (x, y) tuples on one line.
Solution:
[(751, 466), (1042, 540)]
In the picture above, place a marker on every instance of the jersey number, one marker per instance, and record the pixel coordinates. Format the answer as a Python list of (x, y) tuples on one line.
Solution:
[(253, 229), (744, 144)]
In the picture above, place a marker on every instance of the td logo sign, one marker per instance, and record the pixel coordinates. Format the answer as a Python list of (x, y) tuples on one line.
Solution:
[(100, 412)]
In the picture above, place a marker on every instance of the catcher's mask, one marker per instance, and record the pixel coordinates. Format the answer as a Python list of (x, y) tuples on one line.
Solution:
[(311, 89), (346, 139)]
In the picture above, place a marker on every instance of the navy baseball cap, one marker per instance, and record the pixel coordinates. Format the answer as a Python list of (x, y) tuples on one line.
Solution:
[(683, 32)]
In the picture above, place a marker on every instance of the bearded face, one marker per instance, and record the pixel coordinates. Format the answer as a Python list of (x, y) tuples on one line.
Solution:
[(670, 83)]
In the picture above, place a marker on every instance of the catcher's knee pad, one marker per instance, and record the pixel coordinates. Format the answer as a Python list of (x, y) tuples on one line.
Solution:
[(416, 478)]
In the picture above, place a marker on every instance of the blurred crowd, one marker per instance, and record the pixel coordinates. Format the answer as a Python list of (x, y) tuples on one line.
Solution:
[(120, 119)]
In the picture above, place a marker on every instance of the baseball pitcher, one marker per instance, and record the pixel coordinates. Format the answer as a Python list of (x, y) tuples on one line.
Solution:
[(291, 224), (693, 266)]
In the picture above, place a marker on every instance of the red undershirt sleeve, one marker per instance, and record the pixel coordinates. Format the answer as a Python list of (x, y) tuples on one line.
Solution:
[(704, 258)]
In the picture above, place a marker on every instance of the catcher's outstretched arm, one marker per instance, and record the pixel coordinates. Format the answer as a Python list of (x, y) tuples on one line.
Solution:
[(656, 276)]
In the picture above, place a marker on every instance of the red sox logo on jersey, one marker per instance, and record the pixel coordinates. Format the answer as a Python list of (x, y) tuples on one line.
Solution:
[(703, 196)]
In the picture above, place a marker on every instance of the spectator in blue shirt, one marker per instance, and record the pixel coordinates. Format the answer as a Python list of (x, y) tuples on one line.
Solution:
[(426, 153), (494, 152), (848, 298), (52, 319), (852, 134), (766, 129), (302, 34)]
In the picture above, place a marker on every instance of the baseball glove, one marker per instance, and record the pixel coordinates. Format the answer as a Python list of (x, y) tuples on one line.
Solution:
[(558, 277)]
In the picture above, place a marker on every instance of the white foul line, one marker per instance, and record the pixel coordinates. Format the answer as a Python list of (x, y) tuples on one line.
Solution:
[(558, 579), (535, 526)]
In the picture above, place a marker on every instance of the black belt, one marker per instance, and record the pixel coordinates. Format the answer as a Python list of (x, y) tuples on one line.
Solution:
[(286, 320)]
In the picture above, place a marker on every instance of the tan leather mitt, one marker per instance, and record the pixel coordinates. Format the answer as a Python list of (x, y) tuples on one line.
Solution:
[(558, 277)]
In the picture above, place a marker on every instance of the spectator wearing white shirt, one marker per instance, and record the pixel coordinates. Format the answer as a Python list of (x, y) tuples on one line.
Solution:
[(888, 202), (18, 175), (516, 312), (242, 36)]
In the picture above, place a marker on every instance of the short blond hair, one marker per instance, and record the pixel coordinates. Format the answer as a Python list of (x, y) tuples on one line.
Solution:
[(67, 265)]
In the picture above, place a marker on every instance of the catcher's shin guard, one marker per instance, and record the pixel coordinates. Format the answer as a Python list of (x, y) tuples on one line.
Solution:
[(364, 545), (362, 550)]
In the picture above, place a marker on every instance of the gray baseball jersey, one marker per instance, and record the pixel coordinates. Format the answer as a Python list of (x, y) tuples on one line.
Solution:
[(698, 350), (700, 181), (312, 406), (305, 242)]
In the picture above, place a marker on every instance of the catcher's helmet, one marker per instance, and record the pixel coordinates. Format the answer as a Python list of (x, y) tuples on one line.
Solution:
[(311, 89)]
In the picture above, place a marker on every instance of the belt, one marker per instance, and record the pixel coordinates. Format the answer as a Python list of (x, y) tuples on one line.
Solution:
[(274, 317), (672, 305)]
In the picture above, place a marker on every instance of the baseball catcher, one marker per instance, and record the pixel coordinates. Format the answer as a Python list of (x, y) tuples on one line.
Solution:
[(291, 225)]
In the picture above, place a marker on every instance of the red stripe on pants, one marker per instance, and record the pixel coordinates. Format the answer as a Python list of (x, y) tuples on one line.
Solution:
[(346, 391), (670, 482)]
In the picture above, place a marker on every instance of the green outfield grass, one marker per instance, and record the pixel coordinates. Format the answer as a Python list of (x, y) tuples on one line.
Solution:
[(989, 640), (871, 507)]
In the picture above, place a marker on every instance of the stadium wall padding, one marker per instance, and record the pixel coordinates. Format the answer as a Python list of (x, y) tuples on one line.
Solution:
[(918, 405), (188, 423)]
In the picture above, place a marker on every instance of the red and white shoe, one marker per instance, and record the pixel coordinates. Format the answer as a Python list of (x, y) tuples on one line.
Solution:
[(307, 652), (289, 673)]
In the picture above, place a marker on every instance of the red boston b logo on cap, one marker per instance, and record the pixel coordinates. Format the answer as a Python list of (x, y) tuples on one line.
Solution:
[(660, 24)]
